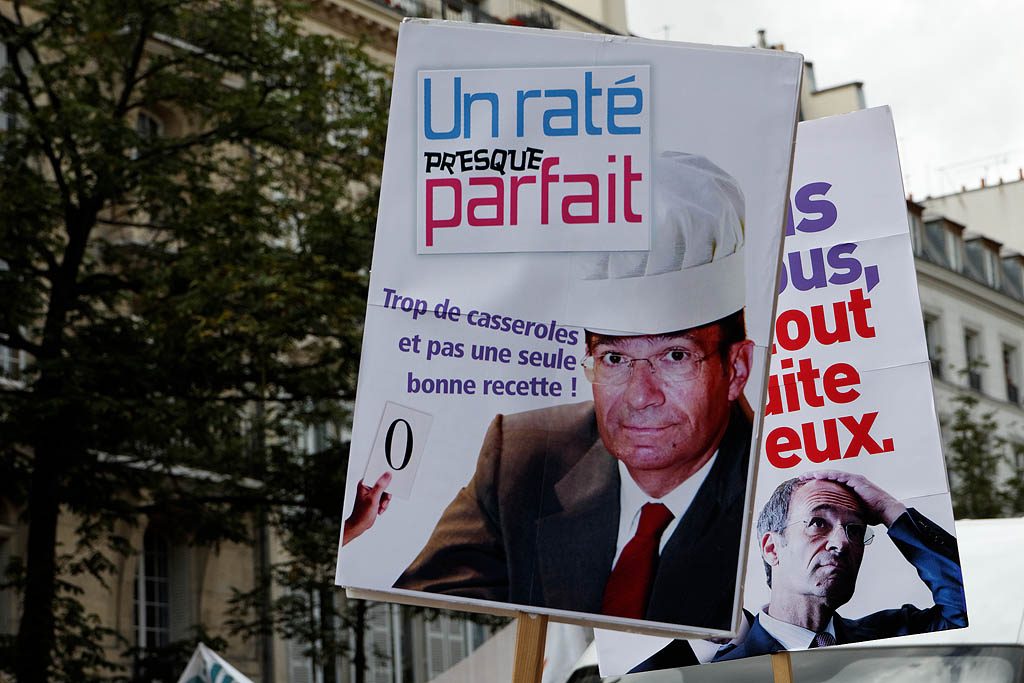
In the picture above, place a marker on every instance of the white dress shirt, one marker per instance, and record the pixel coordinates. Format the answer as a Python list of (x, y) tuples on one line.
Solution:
[(791, 636), (632, 498)]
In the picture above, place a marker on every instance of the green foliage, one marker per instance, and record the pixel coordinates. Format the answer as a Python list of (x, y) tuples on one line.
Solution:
[(974, 453), (1013, 489), (188, 300), (166, 663)]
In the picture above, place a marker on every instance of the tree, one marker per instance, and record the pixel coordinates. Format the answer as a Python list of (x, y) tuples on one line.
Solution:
[(973, 456), (188, 297)]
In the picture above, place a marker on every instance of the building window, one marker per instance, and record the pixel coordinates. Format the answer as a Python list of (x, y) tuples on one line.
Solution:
[(932, 340), (163, 596), (153, 593), (981, 261), (954, 250), (12, 363), (916, 230), (1011, 368), (990, 258), (6, 120), (148, 127), (943, 244), (972, 350), (380, 655), (1011, 280), (446, 644), (317, 438), (8, 607)]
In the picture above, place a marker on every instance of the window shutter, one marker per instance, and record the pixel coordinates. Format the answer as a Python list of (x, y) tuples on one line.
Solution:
[(300, 666), (434, 630), (380, 655), (456, 641)]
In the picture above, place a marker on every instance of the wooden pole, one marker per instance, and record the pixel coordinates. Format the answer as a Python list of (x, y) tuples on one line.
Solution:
[(531, 631), (782, 668)]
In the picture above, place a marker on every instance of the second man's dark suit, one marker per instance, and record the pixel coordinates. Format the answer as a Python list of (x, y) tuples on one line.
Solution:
[(537, 524), (933, 552)]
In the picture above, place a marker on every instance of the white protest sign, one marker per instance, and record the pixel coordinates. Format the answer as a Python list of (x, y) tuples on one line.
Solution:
[(849, 424), (568, 275), (206, 666)]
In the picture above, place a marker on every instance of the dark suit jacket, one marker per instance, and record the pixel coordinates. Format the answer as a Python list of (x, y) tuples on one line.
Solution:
[(537, 524), (933, 553)]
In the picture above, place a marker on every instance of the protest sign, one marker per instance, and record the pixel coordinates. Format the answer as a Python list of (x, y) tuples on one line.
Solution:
[(206, 666), (573, 235), (849, 401)]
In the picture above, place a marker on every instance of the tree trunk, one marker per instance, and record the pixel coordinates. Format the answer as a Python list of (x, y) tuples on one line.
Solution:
[(36, 632), (51, 454), (359, 655), (328, 636)]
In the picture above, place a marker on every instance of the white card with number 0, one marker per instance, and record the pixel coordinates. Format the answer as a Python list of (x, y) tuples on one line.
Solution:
[(397, 448)]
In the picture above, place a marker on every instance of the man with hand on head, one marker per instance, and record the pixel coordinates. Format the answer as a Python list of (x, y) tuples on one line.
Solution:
[(630, 505), (813, 531)]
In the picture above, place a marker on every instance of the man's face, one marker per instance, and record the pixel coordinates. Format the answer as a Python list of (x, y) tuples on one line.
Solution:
[(652, 423), (823, 566)]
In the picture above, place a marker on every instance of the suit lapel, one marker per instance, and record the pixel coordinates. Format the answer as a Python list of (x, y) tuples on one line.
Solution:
[(576, 541), (759, 641), (850, 631), (705, 544)]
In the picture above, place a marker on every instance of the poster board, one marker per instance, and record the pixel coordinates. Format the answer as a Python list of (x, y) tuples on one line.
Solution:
[(546, 157), (850, 389)]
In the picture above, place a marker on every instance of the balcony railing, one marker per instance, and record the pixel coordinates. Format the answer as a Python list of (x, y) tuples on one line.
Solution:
[(974, 380), (454, 10), (532, 13)]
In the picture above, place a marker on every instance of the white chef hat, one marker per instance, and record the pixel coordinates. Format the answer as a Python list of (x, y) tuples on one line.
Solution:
[(693, 273)]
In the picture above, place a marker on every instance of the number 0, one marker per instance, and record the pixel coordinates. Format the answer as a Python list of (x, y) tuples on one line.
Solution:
[(408, 444)]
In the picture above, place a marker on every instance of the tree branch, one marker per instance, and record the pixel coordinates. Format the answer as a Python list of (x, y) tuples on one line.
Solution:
[(15, 340)]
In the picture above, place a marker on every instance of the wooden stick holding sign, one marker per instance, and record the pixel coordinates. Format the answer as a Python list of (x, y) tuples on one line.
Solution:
[(782, 667), (531, 632)]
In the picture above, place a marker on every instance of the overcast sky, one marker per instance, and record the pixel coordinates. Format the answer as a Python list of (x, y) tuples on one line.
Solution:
[(953, 72)]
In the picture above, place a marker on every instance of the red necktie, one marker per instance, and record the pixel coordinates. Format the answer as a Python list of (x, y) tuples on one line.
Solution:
[(629, 586)]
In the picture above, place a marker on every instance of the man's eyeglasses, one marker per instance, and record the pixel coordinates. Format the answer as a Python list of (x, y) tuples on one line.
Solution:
[(819, 527), (672, 365)]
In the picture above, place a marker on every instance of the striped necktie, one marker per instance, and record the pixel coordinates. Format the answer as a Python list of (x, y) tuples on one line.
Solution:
[(823, 639)]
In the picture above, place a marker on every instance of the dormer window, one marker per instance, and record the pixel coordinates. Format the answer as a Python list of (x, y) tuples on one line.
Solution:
[(1011, 278), (982, 259), (943, 243)]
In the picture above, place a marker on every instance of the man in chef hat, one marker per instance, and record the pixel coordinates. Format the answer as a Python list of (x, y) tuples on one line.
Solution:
[(629, 505)]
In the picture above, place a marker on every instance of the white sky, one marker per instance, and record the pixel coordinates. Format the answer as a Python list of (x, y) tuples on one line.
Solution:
[(952, 72)]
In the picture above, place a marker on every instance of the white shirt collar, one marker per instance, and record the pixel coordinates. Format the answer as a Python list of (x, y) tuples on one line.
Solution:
[(632, 498), (791, 636)]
